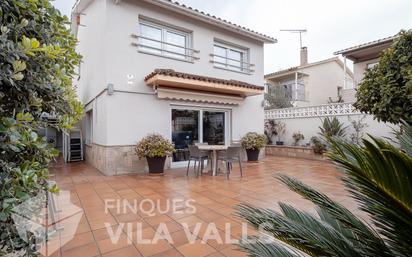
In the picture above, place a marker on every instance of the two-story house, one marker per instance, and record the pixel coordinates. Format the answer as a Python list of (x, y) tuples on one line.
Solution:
[(160, 66), (311, 83), (364, 57)]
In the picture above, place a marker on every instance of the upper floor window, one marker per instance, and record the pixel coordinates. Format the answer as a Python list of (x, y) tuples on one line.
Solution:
[(295, 91), (166, 41), (230, 57), (371, 65)]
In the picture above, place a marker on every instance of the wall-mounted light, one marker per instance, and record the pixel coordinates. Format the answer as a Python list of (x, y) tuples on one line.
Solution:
[(110, 89)]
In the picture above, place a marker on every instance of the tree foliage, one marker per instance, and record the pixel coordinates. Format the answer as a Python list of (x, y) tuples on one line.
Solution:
[(377, 175), (386, 89), (276, 98), (37, 66)]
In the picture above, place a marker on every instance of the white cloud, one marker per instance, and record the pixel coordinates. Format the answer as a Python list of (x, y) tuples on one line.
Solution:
[(332, 25)]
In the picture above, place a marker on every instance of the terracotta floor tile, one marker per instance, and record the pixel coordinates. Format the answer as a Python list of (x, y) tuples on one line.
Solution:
[(233, 251), (169, 253), (114, 243), (89, 250), (153, 248), (196, 249), (129, 251), (214, 200), (78, 240)]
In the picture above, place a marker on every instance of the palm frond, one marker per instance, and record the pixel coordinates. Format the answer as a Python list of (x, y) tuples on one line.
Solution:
[(379, 177), (363, 236), (256, 248), (300, 230)]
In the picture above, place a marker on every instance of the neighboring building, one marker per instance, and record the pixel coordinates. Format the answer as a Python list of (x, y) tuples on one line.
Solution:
[(311, 83), (364, 56), (159, 66)]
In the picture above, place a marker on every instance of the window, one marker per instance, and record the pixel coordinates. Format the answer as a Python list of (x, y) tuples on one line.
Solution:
[(295, 92), (162, 40), (371, 65), (230, 57)]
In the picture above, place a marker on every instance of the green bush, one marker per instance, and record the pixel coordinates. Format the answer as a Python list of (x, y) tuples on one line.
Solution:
[(386, 89), (332, 128), (37, 65), (253, 140), (154, 145)]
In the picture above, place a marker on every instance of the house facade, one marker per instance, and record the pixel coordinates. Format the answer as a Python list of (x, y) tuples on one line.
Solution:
[(161, 67), (364, 57), (311, 83)]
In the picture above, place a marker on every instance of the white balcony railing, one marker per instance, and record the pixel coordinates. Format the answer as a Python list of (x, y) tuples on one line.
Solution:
[(336, 109)]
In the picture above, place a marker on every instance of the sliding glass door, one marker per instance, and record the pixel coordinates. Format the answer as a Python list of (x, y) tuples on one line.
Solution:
[(197, 125), (214, 128)]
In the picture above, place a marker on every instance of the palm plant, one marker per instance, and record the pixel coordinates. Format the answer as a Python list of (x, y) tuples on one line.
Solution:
[(332, 128), (377, 175)]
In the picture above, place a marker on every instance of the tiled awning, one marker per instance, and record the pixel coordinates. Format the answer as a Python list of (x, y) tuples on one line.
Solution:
[(166, 78)]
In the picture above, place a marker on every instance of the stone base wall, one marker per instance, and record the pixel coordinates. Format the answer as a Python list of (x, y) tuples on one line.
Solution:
[(116, 160), (294, 151)]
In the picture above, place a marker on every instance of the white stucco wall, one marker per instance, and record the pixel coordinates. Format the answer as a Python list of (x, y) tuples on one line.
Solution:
[(109, 57), (359, 69), (309, 127)]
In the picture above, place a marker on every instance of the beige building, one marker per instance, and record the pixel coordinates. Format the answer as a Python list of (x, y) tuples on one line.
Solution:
[(311, 83), (364, 56)]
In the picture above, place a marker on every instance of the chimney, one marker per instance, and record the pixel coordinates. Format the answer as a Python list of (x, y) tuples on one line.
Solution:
[(304, 55)]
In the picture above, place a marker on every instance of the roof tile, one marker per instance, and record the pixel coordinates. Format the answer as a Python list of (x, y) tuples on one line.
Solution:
[(231, 82)]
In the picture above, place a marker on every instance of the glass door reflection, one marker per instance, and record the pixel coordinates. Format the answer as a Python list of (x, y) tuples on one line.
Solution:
[(213, 127), (185, 132)]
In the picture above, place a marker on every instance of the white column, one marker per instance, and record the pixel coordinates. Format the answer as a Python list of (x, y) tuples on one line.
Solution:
[(344, 73), (296, 86)]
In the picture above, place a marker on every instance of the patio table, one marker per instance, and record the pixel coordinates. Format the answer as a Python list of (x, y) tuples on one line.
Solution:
[(214, 149)]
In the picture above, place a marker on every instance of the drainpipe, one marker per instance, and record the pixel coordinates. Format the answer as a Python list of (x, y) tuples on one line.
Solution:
[(344, 72), (296, 86)]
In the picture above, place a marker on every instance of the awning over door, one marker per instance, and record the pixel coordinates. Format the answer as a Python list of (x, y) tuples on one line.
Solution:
[(183, 86), (196, 96)]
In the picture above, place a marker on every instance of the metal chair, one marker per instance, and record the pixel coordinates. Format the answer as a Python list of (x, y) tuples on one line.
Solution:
[(196, 155), (232, 154)]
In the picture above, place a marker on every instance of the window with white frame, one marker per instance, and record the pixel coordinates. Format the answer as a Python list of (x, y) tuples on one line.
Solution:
[(230, 57), (162, 40), (371, 65), (295, 92)]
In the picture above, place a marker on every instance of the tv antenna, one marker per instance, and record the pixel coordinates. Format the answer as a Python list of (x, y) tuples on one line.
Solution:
[(300, 31)]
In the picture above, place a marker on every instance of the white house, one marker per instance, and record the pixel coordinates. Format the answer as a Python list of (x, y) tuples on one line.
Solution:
[(364, 56), (160, 66), (312, 83)]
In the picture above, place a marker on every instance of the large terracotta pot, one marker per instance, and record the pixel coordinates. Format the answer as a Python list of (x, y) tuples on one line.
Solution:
[(252, 155), (156, 164)]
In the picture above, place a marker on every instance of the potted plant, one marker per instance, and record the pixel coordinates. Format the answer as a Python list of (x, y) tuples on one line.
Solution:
[(318, 146), (253, 142), (297, 136), (280, 129), (155, 148)]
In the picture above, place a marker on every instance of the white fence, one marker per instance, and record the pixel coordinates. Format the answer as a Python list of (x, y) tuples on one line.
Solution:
[(336, 109), (307, 120)]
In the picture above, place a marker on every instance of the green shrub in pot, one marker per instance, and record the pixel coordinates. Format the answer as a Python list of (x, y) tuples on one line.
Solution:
[(155, 148), (253, 142)]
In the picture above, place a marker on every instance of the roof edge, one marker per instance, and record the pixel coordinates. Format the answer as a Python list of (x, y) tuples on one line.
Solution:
[(366, 45)]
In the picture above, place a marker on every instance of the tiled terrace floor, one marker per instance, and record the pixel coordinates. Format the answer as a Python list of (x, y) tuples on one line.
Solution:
[(214, 199)]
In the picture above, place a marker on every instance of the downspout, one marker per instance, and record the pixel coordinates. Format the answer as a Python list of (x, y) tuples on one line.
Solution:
[(344, 72), (296, 86)]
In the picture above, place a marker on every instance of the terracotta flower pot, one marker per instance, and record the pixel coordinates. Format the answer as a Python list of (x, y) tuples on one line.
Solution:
[(252, 155), (156, 164)]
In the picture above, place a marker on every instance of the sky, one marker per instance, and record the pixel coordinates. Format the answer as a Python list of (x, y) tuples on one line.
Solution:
[(331, 25)]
